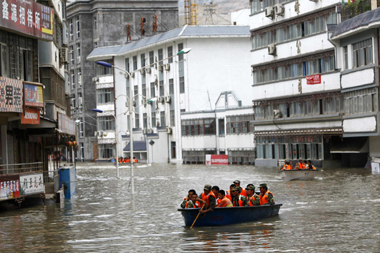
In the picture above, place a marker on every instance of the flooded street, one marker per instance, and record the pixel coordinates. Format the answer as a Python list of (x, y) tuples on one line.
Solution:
[(339, 211)]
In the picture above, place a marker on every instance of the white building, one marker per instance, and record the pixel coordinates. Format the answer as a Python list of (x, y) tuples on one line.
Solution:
[(289, 43), (226, 130), (187, 83)]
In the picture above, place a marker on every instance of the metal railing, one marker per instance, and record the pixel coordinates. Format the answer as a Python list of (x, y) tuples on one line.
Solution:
[(356, 8), (20, 168)]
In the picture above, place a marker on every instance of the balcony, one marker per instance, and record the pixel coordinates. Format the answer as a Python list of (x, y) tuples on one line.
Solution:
[(357, 8)]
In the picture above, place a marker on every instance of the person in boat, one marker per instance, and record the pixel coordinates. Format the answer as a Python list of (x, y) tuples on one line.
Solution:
[(242, 190), (194, 202), (287, 166), (310, 166), (237, 198), (300, 165), (253, 199), (209, 199), (188, 197), (215, 190), (224, 201), (228, 193), (266, 197)]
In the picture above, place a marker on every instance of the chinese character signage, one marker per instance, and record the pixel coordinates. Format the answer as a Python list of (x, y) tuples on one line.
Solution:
[(9, 187), (216, 159), (27, 17), (10, 95), (31, 116), (66, 124), (31, 184), (33, 95), (313, 79)]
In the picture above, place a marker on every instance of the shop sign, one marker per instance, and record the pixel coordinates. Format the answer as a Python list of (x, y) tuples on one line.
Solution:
[(10, 95), (28, 17), (216, 159), (31, 116), (32, 184), (9, 187), (33, 95), (313, 79), (66, 124)]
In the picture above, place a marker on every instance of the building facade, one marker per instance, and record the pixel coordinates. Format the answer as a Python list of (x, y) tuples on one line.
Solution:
[(184, 83), (93, 24)]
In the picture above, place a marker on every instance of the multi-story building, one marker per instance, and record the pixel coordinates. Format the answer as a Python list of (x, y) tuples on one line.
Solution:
[(296, 85), (187, 83), (93, 24)]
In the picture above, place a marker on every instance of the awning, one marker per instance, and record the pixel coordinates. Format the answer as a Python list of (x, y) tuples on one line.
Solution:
[(351, 145), (137, 146)]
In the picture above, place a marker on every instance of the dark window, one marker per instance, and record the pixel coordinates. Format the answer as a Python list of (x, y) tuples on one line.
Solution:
[(152, 90), (162, 119), (170, 54), (161, 88), (182, 85), (180, 47), (171, 86)]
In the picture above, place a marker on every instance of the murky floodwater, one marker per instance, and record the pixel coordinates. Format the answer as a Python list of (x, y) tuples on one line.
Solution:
[(339, 211)]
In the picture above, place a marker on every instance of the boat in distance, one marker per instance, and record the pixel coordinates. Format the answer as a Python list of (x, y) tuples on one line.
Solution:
[(229, 215), (289, 175)]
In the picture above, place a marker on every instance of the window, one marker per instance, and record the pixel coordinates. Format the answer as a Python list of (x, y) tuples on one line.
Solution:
[(198, 127), (151, 57), (142, 56), (145, 120), (221, 126), (152, 90), (127, 64), (78, 27), (137, 120), (362, 53), (81, 132), (173, 149), (180, 47), (153, 119), (95, 23), (170, 54), (78, 49), (103, 71), (160, 56), (171, 86), (105, 96), (172, 118), (79, 77), (4, 61), (360, 101), (106, 123), (144, 89), (182, 85), (134, 62), (72, 54), (26, 65), (72, 79), (161, 88), (162, 119), (240, 124), (107, 151), (345, 53), (71, 29), (135, 90)]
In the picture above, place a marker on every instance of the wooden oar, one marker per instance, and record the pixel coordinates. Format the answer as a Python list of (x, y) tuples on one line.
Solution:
[(198, 215)]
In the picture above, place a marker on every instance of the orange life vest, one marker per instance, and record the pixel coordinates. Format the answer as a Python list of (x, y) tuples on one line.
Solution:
[(313, 168), (249, 200), (288, 167), (228, 195), (217, 202), (240, 201), (300, 166), (197, 204), (264, 198), (243, 192), (225, 202), (207, 197)]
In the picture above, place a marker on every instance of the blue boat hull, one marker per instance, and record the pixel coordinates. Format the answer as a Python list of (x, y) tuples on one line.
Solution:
[(229, 215)]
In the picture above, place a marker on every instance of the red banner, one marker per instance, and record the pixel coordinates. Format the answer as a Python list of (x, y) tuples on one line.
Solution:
[(313, 79), (216, 159), (31, 117), (28, 17)]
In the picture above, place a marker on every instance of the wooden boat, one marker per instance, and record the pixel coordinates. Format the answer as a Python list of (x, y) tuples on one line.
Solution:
[(229, 215), (289, 175)]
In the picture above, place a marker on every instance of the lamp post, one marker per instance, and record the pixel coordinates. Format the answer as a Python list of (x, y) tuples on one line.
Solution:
[(130, 109)]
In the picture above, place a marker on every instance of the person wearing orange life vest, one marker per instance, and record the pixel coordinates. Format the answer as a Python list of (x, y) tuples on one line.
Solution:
[(225, 202), (266, 197), (228, 193), (193, 202), (242, 190), (310, 166), (237, 198), (287, 166), (188, 197), (300, 165), (215, 190), (253, 199), (209, 198)]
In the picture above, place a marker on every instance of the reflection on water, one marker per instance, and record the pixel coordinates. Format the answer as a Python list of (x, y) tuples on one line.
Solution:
[(339, 211)]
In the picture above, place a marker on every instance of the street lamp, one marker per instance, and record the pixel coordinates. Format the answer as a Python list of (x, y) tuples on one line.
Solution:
[(130, 109)]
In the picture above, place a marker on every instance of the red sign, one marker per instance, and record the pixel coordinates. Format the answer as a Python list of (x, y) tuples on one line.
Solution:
[(27, 17), (313, 79), (31, 117), (216, 159)]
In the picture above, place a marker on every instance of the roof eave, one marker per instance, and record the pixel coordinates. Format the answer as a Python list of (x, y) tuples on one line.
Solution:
[(357, 30)]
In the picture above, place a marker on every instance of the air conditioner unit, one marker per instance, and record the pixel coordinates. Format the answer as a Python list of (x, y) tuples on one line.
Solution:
[(280, 10), (150, 131), (95, 79), (148, 70), (168, 99), (169, 130), (161, 100), (272, 49), (269, 12), (161, 68), (142, 71), (167, 67), (144, 131), (277, 114)]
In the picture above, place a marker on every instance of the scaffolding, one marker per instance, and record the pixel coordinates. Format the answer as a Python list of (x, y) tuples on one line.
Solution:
[(191, 12)]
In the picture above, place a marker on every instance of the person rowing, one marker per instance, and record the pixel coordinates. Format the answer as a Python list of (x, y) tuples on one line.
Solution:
[(209, 199)]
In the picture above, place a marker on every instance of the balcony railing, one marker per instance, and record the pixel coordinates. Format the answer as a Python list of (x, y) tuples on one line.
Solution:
[(354, 9)]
